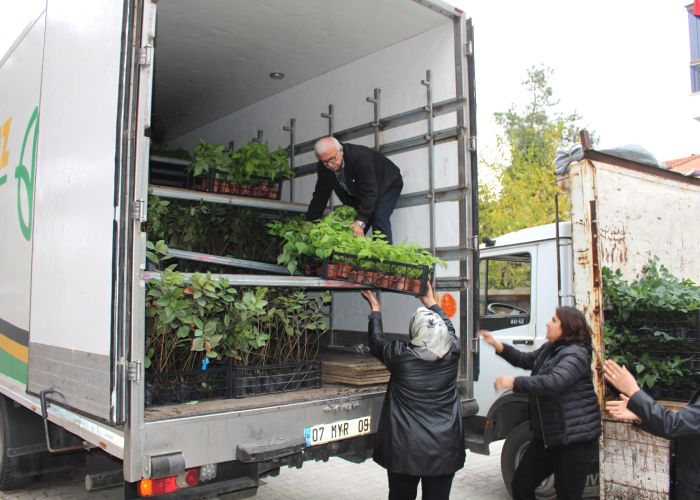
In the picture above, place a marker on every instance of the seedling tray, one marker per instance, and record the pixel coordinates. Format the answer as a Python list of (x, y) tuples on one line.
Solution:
[(257, 188), (409, 279)]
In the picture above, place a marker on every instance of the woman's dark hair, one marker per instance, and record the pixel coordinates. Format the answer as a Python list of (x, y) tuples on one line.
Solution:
[(574, 328)]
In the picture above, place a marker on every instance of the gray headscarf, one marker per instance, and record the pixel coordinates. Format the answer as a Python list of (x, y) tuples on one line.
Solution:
[(428, 330)]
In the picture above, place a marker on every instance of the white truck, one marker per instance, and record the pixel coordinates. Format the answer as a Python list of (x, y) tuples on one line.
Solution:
[(624, 212), (84, 89)]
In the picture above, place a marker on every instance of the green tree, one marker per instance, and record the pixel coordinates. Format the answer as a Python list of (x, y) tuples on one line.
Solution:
[(527, 185)]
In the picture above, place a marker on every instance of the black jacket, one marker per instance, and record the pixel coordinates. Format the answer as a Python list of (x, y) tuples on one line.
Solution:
[(368, 174), (683, 427), (420, 428), (563, 406)]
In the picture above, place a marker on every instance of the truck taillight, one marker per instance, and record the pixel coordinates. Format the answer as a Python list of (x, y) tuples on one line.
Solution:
[(170, 484)]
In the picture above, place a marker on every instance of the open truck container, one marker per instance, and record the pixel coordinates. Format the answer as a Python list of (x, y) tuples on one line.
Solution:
[(82, 92), (625, 213)]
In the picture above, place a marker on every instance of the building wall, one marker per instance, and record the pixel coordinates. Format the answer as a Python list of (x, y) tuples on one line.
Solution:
[(694, 61)]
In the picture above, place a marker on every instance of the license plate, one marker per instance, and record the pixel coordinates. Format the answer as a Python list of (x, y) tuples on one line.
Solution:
[(342, 429)]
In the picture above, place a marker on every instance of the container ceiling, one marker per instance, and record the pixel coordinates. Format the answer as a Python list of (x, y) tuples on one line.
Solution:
[(214, 57)]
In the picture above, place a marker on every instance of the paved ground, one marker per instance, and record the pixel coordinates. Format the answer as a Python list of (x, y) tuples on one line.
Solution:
[(335, 480)]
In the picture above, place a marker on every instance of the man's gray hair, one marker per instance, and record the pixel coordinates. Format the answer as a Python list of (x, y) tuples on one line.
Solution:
[(326, 143)]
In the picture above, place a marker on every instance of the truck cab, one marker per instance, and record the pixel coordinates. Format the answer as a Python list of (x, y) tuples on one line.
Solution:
[(524, 276)]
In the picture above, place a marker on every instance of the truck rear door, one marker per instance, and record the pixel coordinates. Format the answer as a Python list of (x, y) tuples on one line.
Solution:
[(80, 144)]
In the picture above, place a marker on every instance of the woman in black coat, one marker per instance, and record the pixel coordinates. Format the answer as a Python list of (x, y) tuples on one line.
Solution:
[(420, 436), (683, 427), (563, 409)]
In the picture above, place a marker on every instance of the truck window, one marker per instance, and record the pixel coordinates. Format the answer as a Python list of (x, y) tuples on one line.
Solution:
[(505, 296)]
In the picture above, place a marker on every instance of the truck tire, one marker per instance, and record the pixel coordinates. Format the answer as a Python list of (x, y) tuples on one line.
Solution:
[(512, 452), (8, 477)]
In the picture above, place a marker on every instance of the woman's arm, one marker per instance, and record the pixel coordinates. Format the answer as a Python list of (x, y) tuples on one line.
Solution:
[(378, 346), (662, 421), (569, 368), (429, 302), (523, 360), (520, 359)]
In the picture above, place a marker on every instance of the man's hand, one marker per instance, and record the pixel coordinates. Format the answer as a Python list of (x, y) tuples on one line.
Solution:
[(372, 299), (504, 382), (620, 377), (357, 229), (618, 409)]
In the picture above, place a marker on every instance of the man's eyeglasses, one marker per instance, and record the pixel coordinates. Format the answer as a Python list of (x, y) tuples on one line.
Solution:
[(331, 158)]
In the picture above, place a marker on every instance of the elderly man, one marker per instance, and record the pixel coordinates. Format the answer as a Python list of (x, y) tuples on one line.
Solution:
[(362, 179)]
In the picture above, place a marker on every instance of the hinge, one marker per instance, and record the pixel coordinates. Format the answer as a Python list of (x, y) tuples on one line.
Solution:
[(146, 55), (134, 371), (138, 210), (475, 345), (471, 143), (469, 48)]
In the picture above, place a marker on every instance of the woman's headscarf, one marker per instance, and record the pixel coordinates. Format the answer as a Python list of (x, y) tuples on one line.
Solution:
[(427, 329)]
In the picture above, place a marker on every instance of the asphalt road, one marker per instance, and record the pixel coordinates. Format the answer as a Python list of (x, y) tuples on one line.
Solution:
[(335, 480)]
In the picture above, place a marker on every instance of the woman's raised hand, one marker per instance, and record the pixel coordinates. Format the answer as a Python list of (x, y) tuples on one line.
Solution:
[(490, 340), (428, 299), (372, 299), (618, 409)]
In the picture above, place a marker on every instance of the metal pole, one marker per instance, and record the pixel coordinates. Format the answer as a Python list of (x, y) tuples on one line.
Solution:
[(331, 331), (556, 229), (329, 117), (291, 130), (259, 138), (431, 160), (468, 205), (376, 101)]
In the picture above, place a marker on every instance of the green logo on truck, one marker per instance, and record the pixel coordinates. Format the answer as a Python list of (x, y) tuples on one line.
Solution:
[(26, 177), (23, 174)]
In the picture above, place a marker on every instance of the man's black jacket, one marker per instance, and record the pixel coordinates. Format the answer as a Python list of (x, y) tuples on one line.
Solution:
[(684, 428), (420, 428), (562, 402), (368, 175)]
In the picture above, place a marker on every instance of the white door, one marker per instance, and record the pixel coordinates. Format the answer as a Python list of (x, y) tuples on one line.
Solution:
[(508, 309), (75, 252)]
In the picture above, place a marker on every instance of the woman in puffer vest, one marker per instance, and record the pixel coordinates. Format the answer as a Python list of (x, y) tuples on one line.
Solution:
[(563, 409), (420, 436)]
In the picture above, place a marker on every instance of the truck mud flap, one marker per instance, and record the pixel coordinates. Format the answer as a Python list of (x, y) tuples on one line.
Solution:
[(269, 450)]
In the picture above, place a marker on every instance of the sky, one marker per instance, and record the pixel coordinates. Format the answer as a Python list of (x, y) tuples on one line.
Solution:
[(622, 65)]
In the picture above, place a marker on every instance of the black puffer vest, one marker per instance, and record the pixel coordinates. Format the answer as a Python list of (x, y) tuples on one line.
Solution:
[(563, 406)]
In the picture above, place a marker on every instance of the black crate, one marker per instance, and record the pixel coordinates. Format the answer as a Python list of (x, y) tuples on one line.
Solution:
[(398, 277), (678, 387), (227, 380), (677, 324), (190, 385), (660, 392), (252, 380)]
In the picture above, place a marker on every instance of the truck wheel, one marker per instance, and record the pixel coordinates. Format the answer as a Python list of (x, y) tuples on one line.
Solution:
[(8, 477), (512, 452)]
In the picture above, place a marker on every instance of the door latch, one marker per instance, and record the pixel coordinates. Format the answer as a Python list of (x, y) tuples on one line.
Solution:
[(134, 371), (146, 55)]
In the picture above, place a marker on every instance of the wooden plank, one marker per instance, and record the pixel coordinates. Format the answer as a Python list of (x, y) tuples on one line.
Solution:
[(635, 464)]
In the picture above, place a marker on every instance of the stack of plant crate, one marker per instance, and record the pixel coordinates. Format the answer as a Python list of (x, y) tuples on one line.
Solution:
[(352, 369)]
